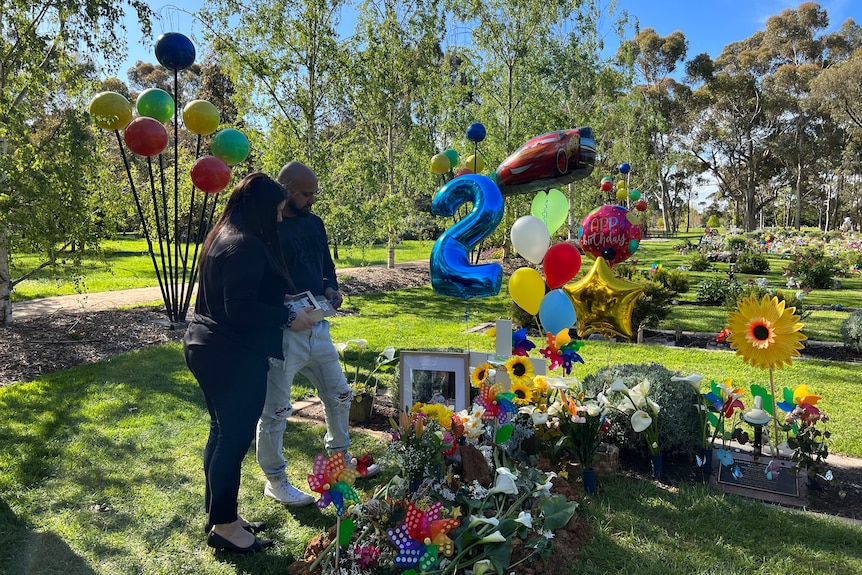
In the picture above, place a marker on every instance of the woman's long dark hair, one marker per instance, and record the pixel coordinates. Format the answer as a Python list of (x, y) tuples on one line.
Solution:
[(251, 209)]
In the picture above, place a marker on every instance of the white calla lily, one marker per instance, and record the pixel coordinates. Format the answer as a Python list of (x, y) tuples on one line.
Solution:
[(495, 537), (539, 417), (388, 352), (619, 386), (653, 406), (360, 343), (481, 566), (476, 520), (525, 518), (505, 482), (693, 380), (641, 420), (340, 347)]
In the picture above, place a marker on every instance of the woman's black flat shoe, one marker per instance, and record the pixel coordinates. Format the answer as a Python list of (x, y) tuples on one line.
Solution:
[(253, 527), (219, 543)]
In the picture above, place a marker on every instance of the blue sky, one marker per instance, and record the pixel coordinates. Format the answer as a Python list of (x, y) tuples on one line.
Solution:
[(709, 25)]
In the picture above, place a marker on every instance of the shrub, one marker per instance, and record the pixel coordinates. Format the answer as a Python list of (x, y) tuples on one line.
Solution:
[(736, 243), (625, 270), (716, 290), (790, 299), (851, 331), (713, 222), (698, 262), (678, 422), (652, 306), (519, 317), (674, 280), (752, 263), (812, 268)]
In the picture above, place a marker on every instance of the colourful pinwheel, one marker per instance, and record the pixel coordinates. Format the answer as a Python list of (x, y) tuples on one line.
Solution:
[(422, 536), (520, 344), (801, 398), (333, 479), (498, 405), (565, 355)]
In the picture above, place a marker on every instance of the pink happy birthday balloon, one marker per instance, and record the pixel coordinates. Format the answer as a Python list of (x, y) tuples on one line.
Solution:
[(609, 232)]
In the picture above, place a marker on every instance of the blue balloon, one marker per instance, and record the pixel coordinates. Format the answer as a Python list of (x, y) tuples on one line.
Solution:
[(452, 273), (175, 51), (476, 132), (625, 168), (556, 312)]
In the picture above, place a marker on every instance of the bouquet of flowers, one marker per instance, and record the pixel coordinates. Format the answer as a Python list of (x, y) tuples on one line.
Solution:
[(806, 438), (583, 420), (421, 439)]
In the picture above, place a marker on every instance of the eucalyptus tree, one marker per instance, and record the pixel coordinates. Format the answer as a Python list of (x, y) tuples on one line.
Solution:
[(395, 57), (46, 145), (658, 111)]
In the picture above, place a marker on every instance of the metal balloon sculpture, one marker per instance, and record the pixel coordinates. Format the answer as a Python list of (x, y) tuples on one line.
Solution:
[(169, 243)]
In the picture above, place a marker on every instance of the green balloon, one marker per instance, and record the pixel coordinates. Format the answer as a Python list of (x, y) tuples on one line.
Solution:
[(155, 103), (552, 208), (453, 156), (230, 146)]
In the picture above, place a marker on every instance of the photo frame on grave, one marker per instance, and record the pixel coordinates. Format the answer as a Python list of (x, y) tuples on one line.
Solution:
[(434, 377)]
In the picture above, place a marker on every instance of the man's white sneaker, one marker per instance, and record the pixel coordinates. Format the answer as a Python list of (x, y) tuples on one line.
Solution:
[(366, 470), (286, 494)]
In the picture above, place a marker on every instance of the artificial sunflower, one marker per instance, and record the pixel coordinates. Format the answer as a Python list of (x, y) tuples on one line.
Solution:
[(764, 333), (480, 375), (519, 369), (523, 394)]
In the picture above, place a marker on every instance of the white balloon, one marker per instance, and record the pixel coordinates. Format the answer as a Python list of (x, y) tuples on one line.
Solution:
[(531, 238)]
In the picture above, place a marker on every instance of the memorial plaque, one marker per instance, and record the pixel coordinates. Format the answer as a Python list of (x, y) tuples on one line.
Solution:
[(753, 476)]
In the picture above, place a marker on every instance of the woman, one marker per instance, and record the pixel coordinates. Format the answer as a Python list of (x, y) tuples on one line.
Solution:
[(237, 325)]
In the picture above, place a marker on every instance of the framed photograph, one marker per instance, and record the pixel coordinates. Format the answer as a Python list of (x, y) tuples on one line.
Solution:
[(434, 377)]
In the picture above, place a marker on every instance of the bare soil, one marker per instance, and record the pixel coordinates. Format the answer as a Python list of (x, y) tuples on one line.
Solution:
[(50, 342)]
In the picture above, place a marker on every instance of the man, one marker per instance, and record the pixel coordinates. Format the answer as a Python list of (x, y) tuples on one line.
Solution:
[(310, 352)]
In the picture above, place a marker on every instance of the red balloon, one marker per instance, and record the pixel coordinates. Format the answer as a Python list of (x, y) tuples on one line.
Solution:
[(146, 136), (463, 172), (641, 206), (607, 185), (562, 262), (210, 174)]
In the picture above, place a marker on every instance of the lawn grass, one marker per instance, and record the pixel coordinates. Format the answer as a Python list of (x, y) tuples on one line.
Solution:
[(125, 263), (100, 469)]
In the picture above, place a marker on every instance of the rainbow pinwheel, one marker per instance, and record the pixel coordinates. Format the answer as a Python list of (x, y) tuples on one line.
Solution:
[(801, 398), (498, 405), (565, 355), (333, 479), (422, 537), (520, 344)]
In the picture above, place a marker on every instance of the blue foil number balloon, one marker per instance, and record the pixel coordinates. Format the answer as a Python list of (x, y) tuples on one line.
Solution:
[(452, 273)]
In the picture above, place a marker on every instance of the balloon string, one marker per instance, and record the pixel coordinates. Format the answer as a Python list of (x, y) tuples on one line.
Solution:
[(144, 226), (467, 324)]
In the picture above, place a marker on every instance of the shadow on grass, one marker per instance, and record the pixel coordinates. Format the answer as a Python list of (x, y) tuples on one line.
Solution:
[(23, 550)]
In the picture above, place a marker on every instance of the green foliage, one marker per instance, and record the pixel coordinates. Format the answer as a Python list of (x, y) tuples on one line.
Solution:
[(625, 270), (678, 422), (653, 306), (736, 243), (674, 280), (698, 262), (851, 331), (713, 222), (715, 290), (750, 262), (813, 268)]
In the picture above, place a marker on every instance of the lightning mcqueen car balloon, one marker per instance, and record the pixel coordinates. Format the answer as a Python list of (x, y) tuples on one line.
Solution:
[(548, 161)]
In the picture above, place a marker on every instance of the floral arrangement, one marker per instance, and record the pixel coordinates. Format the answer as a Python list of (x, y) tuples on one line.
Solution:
[(461, 503), (642, 409), (583, 420)]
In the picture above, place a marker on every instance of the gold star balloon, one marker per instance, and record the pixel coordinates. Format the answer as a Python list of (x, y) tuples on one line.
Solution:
[(604, 302)]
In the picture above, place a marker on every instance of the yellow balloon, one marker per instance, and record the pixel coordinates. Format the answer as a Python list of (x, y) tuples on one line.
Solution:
[(110, 110), (621, 185), (477, 164), (604, 302), (200, 117), (440, 164), (527, 289), (622, 195)]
